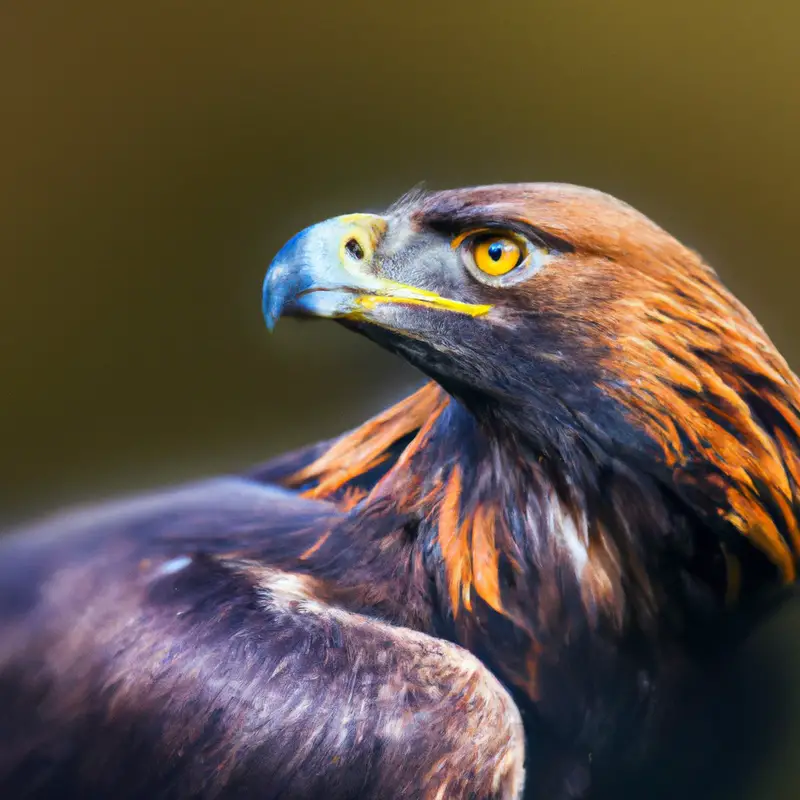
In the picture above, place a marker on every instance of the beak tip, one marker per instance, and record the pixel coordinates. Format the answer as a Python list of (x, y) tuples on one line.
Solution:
[(272, 302), (283, 281)]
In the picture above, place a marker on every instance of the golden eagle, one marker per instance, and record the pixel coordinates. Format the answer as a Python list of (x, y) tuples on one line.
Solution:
[(494, 586)]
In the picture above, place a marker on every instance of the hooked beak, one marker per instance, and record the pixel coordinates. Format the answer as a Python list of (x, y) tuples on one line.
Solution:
[(327, 270)]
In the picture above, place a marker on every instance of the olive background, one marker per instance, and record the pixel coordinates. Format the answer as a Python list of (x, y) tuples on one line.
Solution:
[(155, 154)]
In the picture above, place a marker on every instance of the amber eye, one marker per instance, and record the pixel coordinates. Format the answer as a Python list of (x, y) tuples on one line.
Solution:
[(497, 255)]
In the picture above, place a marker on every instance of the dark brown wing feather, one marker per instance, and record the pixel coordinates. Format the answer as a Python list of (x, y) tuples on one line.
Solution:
[(146, 652)]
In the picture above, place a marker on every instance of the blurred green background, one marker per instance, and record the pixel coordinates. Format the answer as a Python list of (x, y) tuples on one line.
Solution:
[(155, 154)]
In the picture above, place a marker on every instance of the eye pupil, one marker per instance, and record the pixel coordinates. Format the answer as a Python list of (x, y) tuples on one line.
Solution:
[(354, 249), (495, 251)]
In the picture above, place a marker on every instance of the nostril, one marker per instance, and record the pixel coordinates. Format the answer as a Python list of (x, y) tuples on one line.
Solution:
[(354, 249)]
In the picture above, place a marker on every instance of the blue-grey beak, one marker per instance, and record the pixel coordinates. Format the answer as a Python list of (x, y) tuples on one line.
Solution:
[(328, 270)]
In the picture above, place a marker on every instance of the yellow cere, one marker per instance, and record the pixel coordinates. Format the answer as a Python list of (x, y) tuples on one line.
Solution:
[(363, 231), (497, 255)]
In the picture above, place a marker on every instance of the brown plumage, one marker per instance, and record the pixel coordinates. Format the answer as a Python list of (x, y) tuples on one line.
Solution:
[(522, 565)]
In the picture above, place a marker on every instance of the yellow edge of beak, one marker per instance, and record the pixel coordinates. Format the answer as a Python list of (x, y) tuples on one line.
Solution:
[(418, 297)]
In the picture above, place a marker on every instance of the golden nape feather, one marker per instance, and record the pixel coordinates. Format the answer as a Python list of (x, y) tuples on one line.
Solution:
[(502, 586)]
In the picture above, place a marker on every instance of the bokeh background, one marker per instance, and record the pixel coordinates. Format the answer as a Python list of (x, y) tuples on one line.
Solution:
[(155, 154)]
